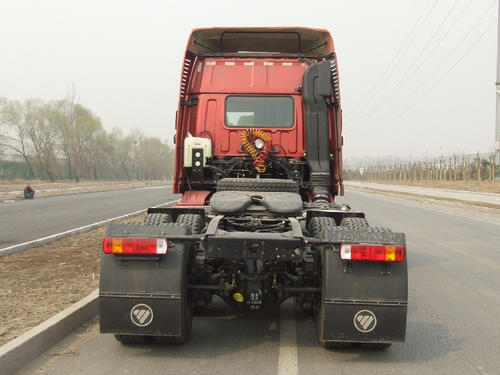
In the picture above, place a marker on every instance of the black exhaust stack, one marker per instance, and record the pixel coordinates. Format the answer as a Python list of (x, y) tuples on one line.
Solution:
[(316, 89)]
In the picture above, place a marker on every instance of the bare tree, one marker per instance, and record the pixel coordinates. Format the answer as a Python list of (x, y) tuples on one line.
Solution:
[(44, 137), (15, 122), (491, 157)]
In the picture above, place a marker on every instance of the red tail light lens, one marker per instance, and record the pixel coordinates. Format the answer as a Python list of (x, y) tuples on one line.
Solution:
[(135, 245), (372, 253)]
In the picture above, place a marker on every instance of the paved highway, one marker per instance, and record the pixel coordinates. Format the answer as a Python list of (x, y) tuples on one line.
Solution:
[(453, 319), (26, 220)]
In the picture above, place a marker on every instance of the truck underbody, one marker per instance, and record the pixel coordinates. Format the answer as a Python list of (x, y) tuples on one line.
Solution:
[(257, 223)]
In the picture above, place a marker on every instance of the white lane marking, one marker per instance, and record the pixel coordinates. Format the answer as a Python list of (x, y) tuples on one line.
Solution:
[(89, 226), (288, 357)]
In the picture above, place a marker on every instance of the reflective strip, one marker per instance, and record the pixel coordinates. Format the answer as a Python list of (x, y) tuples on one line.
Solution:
[(287, 64), (209, 63), (248, 63), (229, 62), (268, 63)]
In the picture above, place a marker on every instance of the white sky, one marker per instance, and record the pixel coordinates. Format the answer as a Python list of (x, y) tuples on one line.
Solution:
[(124, 59)]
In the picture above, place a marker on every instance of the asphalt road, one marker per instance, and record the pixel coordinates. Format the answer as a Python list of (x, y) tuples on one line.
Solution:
[(26, 220), (453, 319)]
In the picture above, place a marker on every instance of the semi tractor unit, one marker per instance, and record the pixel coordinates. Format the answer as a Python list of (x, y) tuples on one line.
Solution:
[(258, 161)]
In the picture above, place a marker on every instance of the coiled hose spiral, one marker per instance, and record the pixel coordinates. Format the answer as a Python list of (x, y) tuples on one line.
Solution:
[(259, 157)]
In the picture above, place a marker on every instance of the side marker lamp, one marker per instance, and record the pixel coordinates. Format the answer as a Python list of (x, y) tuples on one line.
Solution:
[(372, 253)]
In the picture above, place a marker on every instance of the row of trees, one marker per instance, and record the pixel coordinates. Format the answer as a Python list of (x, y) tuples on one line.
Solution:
[(64, 140), (459, 167)]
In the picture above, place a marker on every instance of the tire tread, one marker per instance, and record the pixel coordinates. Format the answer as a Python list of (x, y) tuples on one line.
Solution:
[(258, 184)]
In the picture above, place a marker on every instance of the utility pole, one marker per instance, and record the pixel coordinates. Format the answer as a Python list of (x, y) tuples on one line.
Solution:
[(497, 84)]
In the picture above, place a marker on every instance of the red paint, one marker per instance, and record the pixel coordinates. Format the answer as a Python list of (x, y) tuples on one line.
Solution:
[(211, 79), (194, 198)]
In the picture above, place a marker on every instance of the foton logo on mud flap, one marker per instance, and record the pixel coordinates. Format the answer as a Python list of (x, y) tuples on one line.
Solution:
[(365, 321), (141, 315)]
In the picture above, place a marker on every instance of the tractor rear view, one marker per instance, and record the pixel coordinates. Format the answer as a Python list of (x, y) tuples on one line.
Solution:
[(259, 164)]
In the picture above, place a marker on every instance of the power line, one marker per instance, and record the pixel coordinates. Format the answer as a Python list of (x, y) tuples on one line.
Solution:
[(433, 71), (403, 79), (443, 38), (443, 76), (431, 53), (367, 99), (413, 39)]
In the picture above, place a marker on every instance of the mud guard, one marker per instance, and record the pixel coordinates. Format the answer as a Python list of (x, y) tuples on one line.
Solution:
[(146, 295), (363, 302)]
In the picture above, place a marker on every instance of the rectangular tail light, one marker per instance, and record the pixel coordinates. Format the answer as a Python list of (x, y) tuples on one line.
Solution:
[(372, 253), (135, 245)]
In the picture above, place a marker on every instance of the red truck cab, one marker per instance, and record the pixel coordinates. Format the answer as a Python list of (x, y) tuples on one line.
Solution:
[(256, 84)]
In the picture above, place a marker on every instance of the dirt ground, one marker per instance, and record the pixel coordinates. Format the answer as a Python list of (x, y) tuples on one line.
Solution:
[(38, 283)]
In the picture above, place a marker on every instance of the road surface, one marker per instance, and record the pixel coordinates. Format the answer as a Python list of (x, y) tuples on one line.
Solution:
[(26, 220), (453, 317)]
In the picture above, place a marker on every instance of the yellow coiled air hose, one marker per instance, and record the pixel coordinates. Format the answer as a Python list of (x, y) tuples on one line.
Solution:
[(248, 138)]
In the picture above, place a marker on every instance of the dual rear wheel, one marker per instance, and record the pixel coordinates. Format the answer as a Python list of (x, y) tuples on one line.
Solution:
[(319, 227), (195, 223)]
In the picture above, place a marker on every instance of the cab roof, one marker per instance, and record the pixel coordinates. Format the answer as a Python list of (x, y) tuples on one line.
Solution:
[(260, 41)]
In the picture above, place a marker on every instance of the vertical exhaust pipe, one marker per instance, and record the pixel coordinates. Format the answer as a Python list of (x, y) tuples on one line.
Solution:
[(316, 88)]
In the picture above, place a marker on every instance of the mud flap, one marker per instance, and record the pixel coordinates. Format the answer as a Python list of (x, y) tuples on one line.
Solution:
[(146, 295), (363, 302)]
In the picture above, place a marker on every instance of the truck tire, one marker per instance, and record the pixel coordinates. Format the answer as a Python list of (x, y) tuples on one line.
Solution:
[(193, 221), (318, 223), (186, 316), (196, 223), (378, 230), (258, 184), (362, 282), (320, 322), (156, 219), (320, 315), (316, 226), (186, 325), (354, 223)]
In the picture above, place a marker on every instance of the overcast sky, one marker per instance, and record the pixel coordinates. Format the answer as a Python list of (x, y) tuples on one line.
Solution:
[(417, 77)]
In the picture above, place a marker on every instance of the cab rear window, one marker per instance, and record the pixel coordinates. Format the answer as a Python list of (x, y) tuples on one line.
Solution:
[(259, 111)]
